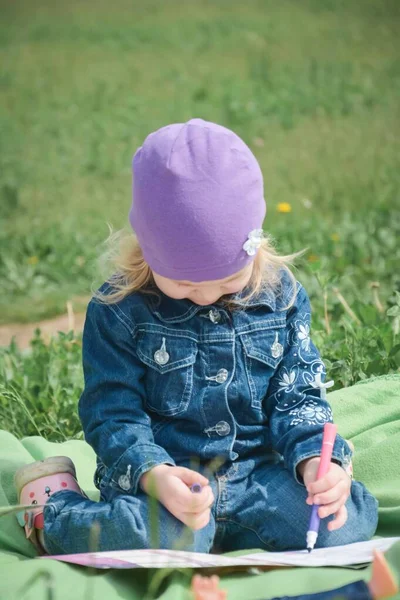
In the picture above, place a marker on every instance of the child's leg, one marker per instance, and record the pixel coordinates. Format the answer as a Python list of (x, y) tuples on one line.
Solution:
[(74, 524), (292, 520), (267, 508), (71, 523)]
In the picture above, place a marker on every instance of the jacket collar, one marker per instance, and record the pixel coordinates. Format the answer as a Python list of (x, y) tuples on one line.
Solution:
[(176, 311)]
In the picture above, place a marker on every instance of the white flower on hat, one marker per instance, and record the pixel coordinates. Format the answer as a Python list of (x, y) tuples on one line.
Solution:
[(253, 242)]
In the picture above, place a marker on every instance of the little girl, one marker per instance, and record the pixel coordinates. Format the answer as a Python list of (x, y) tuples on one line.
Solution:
[(199, 371)]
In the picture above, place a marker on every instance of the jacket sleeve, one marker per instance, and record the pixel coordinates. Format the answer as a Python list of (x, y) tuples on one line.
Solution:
[(296, 400), (112, 405)]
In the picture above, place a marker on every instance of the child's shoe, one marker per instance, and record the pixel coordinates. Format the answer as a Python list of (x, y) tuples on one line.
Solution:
[(35, 484)]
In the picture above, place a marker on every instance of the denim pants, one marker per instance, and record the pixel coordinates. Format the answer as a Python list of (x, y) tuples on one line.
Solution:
[(257, 505)]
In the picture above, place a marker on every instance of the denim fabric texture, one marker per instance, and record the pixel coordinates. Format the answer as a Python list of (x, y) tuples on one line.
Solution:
[(353, 591), (169, 381)]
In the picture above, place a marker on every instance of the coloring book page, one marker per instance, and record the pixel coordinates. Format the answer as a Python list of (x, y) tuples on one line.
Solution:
[(338, 556)]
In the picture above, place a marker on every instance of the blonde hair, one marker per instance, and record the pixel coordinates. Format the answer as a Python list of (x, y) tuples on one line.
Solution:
[(131, 273)]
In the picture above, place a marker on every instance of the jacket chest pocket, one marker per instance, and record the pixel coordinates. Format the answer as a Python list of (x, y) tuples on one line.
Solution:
[(169, 376), (263, 351)]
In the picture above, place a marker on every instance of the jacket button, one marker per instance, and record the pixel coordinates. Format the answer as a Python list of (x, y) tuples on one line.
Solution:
[(221, 376), (222, 428), (161, 357), (214, 316)]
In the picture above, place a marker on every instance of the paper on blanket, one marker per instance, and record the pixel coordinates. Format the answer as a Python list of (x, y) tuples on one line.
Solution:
[(351, 554)]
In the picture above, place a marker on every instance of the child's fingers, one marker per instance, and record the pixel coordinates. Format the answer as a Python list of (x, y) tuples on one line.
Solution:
[(197, 582), (190, 477), (333, 494), (325, 483), (331, 509), (214, 582), (339, 520), (196, 521)]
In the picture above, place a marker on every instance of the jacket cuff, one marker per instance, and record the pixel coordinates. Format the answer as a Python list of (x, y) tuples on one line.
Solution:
[(341, 454), (125, 474)]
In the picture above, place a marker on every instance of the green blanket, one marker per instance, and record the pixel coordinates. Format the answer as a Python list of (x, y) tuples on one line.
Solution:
[(367, 413)]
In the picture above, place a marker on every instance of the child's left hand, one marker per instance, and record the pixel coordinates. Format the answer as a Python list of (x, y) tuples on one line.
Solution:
[(331, 491)]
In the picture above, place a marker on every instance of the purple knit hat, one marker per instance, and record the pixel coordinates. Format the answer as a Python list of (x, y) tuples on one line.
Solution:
[(198, 203)]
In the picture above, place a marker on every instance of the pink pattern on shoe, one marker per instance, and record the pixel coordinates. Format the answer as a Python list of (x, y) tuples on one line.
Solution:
[(35, 484), (40, 490)]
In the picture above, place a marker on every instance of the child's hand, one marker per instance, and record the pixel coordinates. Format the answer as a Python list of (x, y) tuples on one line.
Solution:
[(331, 491), (171, 486)]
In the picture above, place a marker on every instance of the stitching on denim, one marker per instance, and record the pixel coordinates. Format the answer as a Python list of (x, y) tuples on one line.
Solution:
[(168, 367), (251, 352), (184, 317), (310, 454), (110, 473), (154, 328), (124, 323), (187, 393), (228, 520), (193, 310), (226, 387), (265, 325), (185, 397), (209, 338), (160, 426), (124, 317), (250, 381), (204, 337), (139, 471), (206, 423)]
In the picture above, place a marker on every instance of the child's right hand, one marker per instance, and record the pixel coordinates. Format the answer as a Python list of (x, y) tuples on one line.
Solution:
[(171, 486)]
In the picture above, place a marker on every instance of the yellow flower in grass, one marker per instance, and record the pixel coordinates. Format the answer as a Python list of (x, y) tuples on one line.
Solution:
[(312, 258), (284, 207), (335, 237), (32, 260)]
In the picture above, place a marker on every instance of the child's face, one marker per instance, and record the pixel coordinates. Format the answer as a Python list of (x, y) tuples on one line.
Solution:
[(205, 292)]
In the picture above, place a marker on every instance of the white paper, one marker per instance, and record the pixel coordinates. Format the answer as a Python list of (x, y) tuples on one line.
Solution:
[(351, 554)]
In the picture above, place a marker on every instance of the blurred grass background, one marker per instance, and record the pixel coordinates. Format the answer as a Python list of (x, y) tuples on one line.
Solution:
[(313, 86)]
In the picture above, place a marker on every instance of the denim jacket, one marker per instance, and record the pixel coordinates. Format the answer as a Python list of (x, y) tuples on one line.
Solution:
[(168, 380)]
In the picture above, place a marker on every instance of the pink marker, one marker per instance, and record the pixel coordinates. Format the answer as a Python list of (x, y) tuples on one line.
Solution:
[(328, 441)]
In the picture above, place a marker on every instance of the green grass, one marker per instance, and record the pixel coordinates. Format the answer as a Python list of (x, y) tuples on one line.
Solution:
[(312, 86), (39, 389)]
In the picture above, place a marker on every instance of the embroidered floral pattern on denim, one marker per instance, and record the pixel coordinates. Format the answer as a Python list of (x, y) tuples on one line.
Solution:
[(311, 413)]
